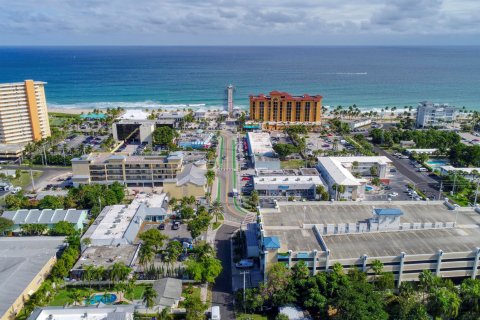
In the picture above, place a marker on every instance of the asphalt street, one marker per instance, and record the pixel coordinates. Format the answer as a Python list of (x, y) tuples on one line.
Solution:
[(222, 289), (48, 174)]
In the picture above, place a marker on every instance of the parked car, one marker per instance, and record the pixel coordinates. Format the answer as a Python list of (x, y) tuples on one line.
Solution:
[(175, 226), (161, 226), (393, 194), (244, 263), (246, 179)]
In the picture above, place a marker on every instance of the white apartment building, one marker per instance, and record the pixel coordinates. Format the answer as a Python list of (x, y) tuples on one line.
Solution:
[(339, 171), (23, 112), (432, 114)]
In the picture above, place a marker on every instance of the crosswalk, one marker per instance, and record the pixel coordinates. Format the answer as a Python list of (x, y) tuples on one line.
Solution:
[(250, 218), (225, 169)]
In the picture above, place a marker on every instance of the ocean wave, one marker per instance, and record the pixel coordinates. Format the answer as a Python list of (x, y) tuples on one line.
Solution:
[(346, 73), (138, 105)]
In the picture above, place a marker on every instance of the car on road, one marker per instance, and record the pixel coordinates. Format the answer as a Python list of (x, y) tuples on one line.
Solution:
[(393, 194), (246, 179), (244, 263)]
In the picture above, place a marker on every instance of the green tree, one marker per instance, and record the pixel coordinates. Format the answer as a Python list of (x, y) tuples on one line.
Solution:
[(277, 288), (377, 267), (444, 302), (205, 269), (186, 212), (164, 136), (146, 255), (154, 238), (210, 175), (16, 202), (283, 150), (5, 225), (194, 306), (51, 202), (149, 296), (33, 229), (88, 274), (216, 210), (254, 199), (63, 228), (119, 272), (172, 252)]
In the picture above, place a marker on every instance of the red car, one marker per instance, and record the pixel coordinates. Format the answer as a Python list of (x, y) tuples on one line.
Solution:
[(246, 179)]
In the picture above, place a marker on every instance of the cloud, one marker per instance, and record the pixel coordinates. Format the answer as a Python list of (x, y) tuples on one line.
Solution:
[(184, 19)]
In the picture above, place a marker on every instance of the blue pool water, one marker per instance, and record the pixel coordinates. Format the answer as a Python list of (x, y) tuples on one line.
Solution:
[(106, 299), (368, 188), (436, 163)]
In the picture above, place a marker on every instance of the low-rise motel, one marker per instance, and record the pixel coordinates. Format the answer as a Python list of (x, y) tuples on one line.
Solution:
[(407, 237), (280, 109)]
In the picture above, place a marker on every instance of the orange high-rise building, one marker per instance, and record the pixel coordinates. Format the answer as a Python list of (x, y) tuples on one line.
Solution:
[(281, 107)]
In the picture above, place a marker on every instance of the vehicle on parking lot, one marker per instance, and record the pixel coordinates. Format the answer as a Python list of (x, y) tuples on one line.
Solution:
[(176, 225), (161, 226), (246, 179), (422, 169), (393, 194), (393, 170), (215, 313), (244, 263)]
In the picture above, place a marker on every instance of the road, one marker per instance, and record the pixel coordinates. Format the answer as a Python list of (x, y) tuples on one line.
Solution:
[(49, 173), (222, 288), (422, 181), (227, 178)]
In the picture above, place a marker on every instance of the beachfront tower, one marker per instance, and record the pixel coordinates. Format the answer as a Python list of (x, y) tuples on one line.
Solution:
[(23, 112), (280, 109)]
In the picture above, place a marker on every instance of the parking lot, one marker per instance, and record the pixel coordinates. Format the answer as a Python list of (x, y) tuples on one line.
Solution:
[(395, 190), (181, 234)]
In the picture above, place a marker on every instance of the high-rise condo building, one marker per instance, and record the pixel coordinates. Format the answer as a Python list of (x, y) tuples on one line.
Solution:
[(23, 112), (435, 115), (281, 107)]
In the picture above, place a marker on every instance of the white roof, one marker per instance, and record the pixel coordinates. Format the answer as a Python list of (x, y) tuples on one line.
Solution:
[(339, 174), (362, 159), (260, 142), (98, 312), (421, 150), (296, 182), (451, 168), (135, 114)]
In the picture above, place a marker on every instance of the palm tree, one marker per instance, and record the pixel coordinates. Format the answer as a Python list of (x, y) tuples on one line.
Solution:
[(77, 297), (89, 274), (119, 272), (164, 314), (99, 273), (146, 255), (210, 175), (149, 296), (216, 210)]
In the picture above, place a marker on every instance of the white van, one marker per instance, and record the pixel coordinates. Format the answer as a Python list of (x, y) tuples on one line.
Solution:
[(215, 314)]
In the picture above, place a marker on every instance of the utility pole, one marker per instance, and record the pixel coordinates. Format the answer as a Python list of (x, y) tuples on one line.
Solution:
[(440, 190), (100, 203), (45, 154), (31, 178), (476, 194), (244, 295)]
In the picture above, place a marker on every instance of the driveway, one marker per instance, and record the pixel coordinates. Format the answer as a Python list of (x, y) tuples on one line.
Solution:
[(222, 289)]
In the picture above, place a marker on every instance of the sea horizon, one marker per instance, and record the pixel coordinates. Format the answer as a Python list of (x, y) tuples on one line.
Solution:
[(177, 77)]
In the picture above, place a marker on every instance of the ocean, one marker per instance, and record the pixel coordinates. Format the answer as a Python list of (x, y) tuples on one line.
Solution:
[(182, 77)]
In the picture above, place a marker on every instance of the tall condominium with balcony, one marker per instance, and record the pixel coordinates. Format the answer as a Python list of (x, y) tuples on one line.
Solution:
[(106, 168), (431, 114), (23, 112), (280, 109)]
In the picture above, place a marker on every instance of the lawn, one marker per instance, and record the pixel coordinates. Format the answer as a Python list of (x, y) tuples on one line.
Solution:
[(63, 296), (137, 293), (58, 119), (187, 290), (24, 179), (292, 164)]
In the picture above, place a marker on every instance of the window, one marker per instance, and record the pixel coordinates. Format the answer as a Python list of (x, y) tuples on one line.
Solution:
[(262, 110), (275, 110), (281, 112), (307, 111), (298, 107), (253, 110), (289, 110)]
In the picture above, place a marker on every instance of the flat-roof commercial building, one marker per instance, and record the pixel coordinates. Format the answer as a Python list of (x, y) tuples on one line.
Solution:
[(283, 184), (199, 140), (281, 109), (23, 112), (47, 217), (113, 234), (98, 312), (339, 171), (407, 237), (432, 114), (106, 168), (260, 150), (25, 263), (138, 131)]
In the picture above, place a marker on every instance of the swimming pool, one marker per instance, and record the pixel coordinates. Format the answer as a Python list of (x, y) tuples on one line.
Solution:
[(436, 163), (368, 188), (103, 298)]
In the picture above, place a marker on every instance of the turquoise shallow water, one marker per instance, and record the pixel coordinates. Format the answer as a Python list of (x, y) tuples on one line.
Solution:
[(197, 76)]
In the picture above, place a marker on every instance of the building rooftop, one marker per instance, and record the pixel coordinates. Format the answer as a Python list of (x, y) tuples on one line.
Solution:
[(21, 259), (260, 143), (286, 95), (192, 174), (275, 182), (98, 312), (297, 227), (46, 216), (107, 255), (338, 173), (299, 213), (467, 170), (169, 291)]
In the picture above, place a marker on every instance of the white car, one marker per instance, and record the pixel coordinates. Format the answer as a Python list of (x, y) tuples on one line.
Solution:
[(393, 194)]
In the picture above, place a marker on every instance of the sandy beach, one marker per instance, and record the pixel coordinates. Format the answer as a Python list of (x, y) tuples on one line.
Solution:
[(70, 110)]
